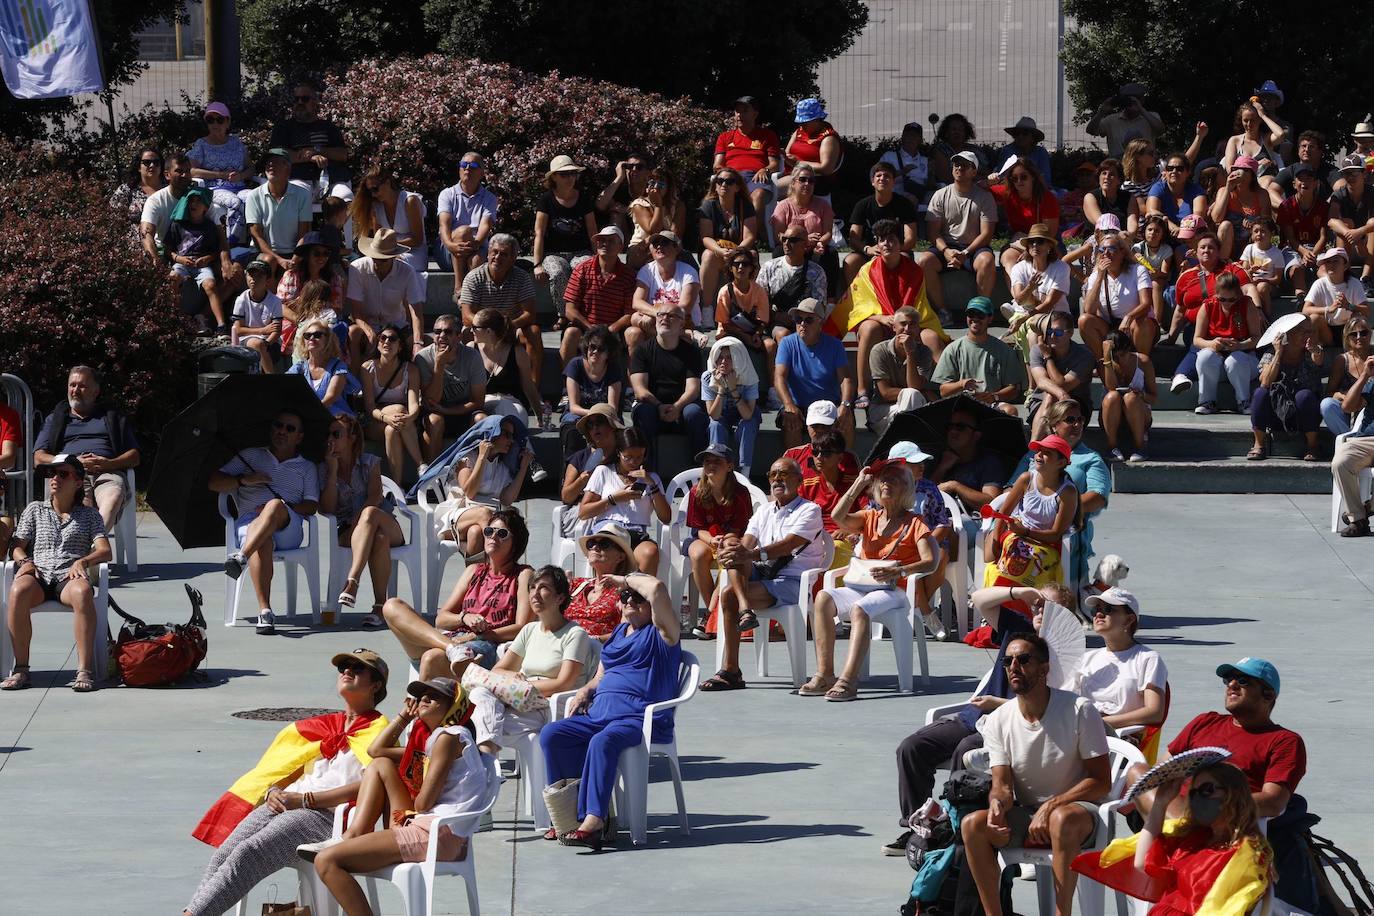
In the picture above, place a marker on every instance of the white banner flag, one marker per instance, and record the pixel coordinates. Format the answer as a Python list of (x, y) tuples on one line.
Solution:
[(48, 48)]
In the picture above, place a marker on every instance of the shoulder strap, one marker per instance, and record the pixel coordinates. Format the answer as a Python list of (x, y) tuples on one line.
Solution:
[(130, 618)]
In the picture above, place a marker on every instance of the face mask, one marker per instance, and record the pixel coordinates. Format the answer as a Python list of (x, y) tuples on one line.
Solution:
[(1204, 810)]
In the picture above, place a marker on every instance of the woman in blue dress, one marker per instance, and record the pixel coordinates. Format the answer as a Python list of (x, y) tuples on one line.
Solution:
[(639, 667)]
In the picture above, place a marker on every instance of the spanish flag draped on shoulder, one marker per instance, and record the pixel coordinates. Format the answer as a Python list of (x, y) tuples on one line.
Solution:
[(1184, 872), (880, 290), (295, 746)]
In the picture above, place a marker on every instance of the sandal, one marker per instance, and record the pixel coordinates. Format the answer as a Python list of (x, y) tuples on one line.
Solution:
[(82, 683), (18, 679), (700, 632), (374, 620), (842, 692), (1310, 456), (551, 833), (346, 597), (816, 687), (724, 680), (748, 621), (1257, 453)]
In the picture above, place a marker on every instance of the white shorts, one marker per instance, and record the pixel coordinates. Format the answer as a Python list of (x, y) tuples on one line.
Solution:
[(870, 600)]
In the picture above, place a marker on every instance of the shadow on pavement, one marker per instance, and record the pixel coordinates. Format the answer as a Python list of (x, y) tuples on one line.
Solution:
[(161, 572), (1168, 622), (694, 768), (729, 829)]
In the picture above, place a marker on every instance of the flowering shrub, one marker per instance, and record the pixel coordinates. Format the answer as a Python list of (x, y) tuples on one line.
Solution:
[(74, 290), (418, 116)]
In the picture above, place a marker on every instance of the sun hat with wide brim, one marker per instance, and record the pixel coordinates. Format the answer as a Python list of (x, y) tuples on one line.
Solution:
[(1365, 129), (1282, 325), (605, 412), (1026, 122), (1039, 231), (562, 164), (611, 531), (382, 246)]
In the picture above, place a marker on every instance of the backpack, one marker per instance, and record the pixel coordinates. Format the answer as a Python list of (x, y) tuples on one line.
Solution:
[(154, 656), (1327, 859)]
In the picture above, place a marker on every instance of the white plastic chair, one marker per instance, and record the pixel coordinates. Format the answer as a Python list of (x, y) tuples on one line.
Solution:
[(305, 557), (529, 760), (99, 632), (1366, 480), (674, 568), (20, 398), (792, 618), (310, 890), (410, 554), (957, 571), (562, 550), (939, 712), (415, 880), (124, 538), (900, 621), (437, 550), (632, 778)]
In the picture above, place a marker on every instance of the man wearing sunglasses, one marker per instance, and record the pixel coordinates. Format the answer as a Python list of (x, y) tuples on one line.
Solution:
[(313, 144), (274, 489), (453, 383), (1048, 753), (1061, 370), (980, 365), (467, 217)]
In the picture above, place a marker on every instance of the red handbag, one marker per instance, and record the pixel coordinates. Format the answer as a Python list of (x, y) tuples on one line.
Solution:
[(153, 656)]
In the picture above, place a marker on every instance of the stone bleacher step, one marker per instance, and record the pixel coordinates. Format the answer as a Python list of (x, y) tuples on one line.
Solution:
[(1223, 475)]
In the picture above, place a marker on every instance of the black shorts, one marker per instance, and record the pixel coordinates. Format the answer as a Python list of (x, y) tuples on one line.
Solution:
[(52, 588)]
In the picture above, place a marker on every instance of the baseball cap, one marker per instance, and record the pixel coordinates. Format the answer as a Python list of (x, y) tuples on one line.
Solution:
[(909, 452), (1258, 668), (1246, 162), (1328, 254), (216, 108), (667, 235), (966, 156), (719, 450), (747, 100), (808, 305), (446, 687), (63, 461), (1353, 162), (822, 413), (979, 304), (1118, 597), (613, 230), (1191, 226), (1108, 221), (1302, 168), (275, 152), (1053, 444), (370, 659)]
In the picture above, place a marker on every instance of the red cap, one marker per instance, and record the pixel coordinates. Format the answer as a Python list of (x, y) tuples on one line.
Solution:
[(1053, 444)]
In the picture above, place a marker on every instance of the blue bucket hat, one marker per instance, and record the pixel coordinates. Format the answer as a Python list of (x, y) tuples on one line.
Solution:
[(810, 110), (1258, 668), (1269, 87)]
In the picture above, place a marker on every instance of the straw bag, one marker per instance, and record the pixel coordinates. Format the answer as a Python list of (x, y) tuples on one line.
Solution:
[(560, 798)]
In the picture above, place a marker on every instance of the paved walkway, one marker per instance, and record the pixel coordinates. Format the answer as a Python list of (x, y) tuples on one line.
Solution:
[(790, 799)]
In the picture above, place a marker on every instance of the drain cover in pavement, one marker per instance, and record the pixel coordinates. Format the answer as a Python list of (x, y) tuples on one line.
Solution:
[(281, 714)]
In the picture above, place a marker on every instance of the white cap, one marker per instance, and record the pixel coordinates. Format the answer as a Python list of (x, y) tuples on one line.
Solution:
[(822, 413), (1328, 254), (1118, 597), (909, 452), (615, 231)]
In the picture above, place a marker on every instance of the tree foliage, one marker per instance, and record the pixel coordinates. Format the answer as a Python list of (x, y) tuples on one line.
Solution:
[(1202, 58), (309, 37)]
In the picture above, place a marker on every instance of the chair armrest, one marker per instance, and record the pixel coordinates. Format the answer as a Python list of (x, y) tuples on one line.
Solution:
[(416, 531), (103, 582), (558, 703), (1127, 731), (939, 712), (330, 524), (831, 577)]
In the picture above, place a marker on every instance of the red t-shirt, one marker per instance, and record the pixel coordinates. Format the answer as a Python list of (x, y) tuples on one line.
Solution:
[(1272, 754), (1189, 292), (9, 424), (747, 153), (604, 300), (717, 520), (1022, 214), (1307, 225), (815, 487)]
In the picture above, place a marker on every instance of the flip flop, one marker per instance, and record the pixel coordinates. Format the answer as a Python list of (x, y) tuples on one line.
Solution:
[(724, 680)]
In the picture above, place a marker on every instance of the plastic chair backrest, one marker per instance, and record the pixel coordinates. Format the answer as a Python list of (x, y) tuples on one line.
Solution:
[(1121, 754), (20, 398), (393, 489)]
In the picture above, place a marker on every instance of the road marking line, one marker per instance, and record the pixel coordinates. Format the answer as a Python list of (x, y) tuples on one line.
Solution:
[(910, 27)]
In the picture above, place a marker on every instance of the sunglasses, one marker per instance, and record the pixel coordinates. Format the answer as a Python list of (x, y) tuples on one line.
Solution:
[(741, 265), (464, 166), (1056, 333), (445, 332), (285, 427), (389, 338), (827, 452), (804, 180), (351, 668), (1111, 249), (1072, 421), (671, 316), (661, 243), (1206, 790), (595, 349), (1033, 242), (630, 596), (1358, 335), (65, 474), (1239, 680), (806, 319), (1024, 660), (1176, 168), (337, 433), (491, 531), (798, 239), (150, 163), (779, 475), (635, 166), (723, 180), (1105, 610), (601, 544), (314, 335)]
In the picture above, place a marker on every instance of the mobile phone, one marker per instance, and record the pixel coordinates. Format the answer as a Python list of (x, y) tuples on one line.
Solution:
[(639, 486)]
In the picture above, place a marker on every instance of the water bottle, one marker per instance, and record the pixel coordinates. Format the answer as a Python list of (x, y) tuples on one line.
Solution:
[(685, 615)]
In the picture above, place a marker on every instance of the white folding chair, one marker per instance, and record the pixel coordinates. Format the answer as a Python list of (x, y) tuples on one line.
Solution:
[(305, 557), (632, 779), (410, 554), (437, 550), (958, 569), (901, 623), (99, 632), (1366, 480), (791, 617)]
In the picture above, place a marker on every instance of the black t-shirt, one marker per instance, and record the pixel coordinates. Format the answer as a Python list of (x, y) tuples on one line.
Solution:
[(668, 370), (868, 211), (1357, 213), (192, 240), (567, 229), (727, 227), (293, 135), (1117, 208)]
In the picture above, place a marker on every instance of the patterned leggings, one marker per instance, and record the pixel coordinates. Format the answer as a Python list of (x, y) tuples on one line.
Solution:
[(261, 844)]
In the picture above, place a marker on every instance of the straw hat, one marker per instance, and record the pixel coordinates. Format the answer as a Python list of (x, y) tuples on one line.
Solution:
[(611, 531), (382, 246), (562, 164), (1040, 231), (605, 412)]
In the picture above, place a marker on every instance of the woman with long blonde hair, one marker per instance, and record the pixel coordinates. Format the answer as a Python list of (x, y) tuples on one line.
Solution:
[(317, 358)]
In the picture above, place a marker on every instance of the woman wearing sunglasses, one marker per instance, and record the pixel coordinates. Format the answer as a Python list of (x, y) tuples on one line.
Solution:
[(391, 400), (1350, 375), (144, 179), (318, 360), (639, 667), (1117, 297), (220, 161), (726, 222), (594, 606), (803, 207)]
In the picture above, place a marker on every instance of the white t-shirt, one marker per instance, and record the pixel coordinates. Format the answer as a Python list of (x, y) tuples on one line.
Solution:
[(1119, 295), (673, 289), (157, 209), (1323, 293), (324, 774), (637, 513), (256, 314), (1115, 682), (466, 782), (771, 524), (383, 301), (1056, 277), (542, 653), (1046, 757), (1262, 263)]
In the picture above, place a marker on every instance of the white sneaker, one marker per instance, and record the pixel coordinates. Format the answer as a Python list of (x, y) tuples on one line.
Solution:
[(1206, 409), (266, 623), (1116, 455), (456, 653), (1012, 310), (537, 472), (1180, 382), (308, 851)]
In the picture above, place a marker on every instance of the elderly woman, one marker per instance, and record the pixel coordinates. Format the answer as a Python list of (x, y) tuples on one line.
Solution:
[(221, 162), (595, 606), (1288, 398), (896, 537), (805, 208), (1239, 202), (622, 491), (318, 360), (730, 390), (1117, 297), (639, 667), (1027, 202), (57, 544), (596, 377), (511, 389), (726, 221), (488, 471), (718, 512), (1129, 382), (288, 799), (391, 400), (144, 178), (1350, 372), (488, 607), (437, 773), (1228, 326), (815, 144), (351, 491), (564, 223), (1110, 196), (597, 428), (381, 203)]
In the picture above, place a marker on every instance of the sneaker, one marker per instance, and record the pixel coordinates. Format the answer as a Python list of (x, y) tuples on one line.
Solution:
[(421, 471), (308, 851), (234, 564), (934, 626), (1243, 407), (897, 847), (1206, 409), (1115, 455), (1180, 382), (456, 653), (537, 472), (266, 623), (700, 632), (1012, 310), (1138, 456)]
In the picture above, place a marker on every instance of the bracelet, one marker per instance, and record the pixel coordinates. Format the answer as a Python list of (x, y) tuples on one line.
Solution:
[(1011, 593), (309, 800)]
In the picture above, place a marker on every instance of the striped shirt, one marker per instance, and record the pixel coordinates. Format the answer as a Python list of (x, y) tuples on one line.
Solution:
[(602, 299), (479, 291), (54, 544), (295, 480)]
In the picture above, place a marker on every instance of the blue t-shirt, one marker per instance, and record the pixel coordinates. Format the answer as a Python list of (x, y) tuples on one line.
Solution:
[(708, 390), (813, 373), (1175, 210)]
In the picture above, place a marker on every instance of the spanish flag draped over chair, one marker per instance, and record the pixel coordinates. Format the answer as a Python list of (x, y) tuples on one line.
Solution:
[(876, 290), (295, 746), (1197, 878)]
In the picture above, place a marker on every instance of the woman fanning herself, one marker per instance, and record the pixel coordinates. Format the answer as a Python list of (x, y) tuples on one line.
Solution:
[(439, 772), (1024, 547), (1213, 861)]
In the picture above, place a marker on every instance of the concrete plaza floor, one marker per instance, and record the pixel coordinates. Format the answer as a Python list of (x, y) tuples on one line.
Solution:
[(790, 798)]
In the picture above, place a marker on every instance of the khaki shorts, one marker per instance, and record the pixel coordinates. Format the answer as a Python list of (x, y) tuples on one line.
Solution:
[(413, 841), (1020, 819), (110, 481)]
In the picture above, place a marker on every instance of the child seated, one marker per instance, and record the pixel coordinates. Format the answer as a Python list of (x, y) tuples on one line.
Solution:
[(193, 243), (1262, 259), (257, 316)]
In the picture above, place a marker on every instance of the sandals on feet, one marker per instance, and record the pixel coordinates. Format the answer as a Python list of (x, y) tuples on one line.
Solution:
[(816, 687), (724, 680), (748, 621), (1258, 453), (18, 679), (82, 683), (374, 620), (346, 596), (842, 692)]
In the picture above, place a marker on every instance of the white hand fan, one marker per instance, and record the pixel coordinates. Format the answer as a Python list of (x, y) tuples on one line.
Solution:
[(1061, 629)]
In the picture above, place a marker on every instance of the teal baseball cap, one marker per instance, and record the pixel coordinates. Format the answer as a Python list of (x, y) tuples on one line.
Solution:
[(1258, 668), (979, 304)]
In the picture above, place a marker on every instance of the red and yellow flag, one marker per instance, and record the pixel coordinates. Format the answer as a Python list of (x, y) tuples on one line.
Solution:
[(295, 746), (879, 291)]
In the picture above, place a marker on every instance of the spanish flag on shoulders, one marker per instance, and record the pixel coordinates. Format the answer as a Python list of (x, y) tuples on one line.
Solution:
[(876, 290), (1183, 872), (295, 746)]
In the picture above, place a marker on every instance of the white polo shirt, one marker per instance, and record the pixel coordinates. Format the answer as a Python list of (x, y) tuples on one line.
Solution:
[(771, 523)]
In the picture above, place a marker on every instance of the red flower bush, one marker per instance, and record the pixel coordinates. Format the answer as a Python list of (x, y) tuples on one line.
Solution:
[(418, 116)]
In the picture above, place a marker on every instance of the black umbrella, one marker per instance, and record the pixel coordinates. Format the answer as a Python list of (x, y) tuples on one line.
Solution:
[(1002, 434), (234, 415)]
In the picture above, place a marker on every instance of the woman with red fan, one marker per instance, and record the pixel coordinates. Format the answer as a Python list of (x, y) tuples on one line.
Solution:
[(1025, 543), (1213, 861)]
